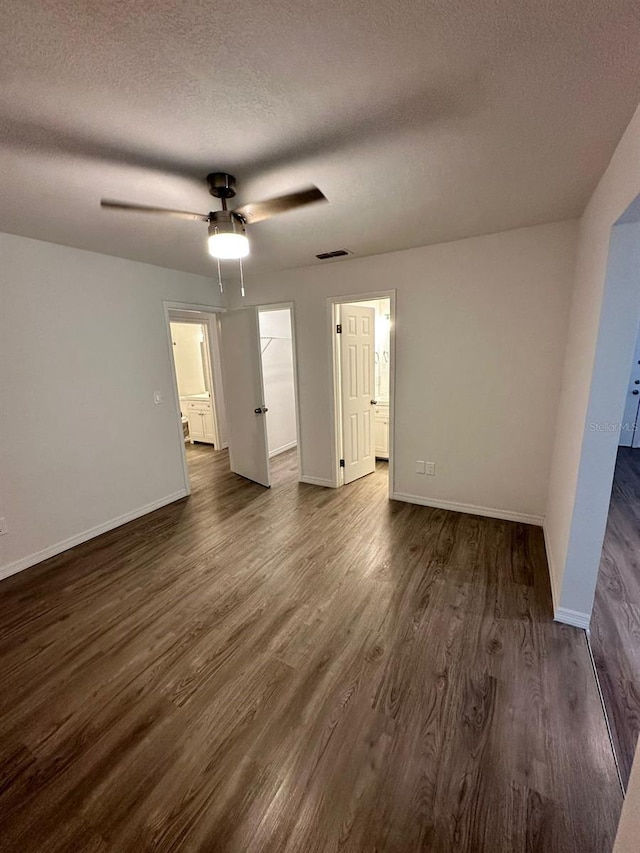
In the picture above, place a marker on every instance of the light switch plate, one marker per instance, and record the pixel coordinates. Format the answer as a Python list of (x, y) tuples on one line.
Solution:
[(3, 526), (157, 397), (430, 468), (420, 467)]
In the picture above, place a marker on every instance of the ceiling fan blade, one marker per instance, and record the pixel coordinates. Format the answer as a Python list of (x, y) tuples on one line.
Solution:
[(140, 208), (258, 210)]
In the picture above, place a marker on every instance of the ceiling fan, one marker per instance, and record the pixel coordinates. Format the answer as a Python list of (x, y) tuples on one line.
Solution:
[(227, 228)]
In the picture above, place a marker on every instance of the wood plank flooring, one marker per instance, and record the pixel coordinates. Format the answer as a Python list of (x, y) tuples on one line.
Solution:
[(298, 669), (615, 623)]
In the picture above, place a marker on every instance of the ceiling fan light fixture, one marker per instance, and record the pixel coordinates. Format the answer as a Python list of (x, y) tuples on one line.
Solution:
[(227, 233), (227, 236)]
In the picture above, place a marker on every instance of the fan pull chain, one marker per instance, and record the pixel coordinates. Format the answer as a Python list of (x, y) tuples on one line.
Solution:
[(241, 279), (219, 276)]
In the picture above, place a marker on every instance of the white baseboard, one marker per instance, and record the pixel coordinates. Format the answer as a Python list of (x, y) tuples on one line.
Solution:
[(472, 509), (318, 481), (562, 614), (572, 617), (282, 449), (79, 538)]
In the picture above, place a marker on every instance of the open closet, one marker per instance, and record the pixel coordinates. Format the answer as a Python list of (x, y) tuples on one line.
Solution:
[(276, 348), (258, 369)]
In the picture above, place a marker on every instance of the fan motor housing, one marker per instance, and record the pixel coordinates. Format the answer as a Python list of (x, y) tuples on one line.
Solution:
[(221, 185), (226, 221)]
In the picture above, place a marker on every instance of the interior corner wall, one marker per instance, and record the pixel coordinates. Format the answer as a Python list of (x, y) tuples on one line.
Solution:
[(83, 347), (574, 540), (480, 333)]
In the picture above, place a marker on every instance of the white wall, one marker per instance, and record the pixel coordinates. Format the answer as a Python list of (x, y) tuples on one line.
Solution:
[(83, 346), (187, 339), (578, 502), (629, 826), (277, 372), (481, 327)]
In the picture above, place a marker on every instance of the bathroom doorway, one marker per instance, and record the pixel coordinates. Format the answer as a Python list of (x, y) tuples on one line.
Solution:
[(196, 367), (195, 386), (363, 334)]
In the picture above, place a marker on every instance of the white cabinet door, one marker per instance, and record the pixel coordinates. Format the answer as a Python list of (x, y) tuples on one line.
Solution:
[(382, 437), (196, 425), (208, 426), (357, 369), (244, 395)]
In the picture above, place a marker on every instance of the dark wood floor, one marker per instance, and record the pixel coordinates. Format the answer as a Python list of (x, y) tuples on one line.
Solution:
[(300, 670), (615, 624)]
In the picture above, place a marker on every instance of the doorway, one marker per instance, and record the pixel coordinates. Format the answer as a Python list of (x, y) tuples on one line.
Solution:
[(197, 379), (363, 334), (190, 341), (278, 377), (630, 428), (600, 570), (615, 620), (260, 382)]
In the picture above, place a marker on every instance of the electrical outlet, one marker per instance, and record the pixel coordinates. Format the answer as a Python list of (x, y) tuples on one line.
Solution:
[(430, 468), (419, 467), (3, 526)]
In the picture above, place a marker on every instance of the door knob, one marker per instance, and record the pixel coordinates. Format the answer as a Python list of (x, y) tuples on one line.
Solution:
[(261, 410), (374, 402), (635, 392)]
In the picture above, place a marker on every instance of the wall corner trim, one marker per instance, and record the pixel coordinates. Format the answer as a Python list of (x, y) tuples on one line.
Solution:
[(79, 538), (551, 569), (317, 481), (471, 509), (572, 617)]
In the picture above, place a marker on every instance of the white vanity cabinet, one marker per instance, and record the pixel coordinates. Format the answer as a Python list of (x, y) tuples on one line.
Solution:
[(199, 413), (381, 429)]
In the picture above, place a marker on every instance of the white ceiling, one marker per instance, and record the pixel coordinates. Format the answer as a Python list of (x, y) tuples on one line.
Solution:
[(421, 120)]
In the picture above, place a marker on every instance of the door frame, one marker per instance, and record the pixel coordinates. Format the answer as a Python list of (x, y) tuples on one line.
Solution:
[(278, 306), (167, 307), (634, 441), (586, 503), (334, 379)]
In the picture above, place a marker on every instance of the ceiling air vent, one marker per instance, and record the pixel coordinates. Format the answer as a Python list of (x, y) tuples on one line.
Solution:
[(339, 253)]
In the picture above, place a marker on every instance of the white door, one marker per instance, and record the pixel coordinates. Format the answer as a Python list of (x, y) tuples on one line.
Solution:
[(630, 432), (244, 395), (357, 377)]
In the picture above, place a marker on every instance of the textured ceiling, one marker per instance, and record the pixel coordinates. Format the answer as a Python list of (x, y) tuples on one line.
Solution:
[(421, 120)]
